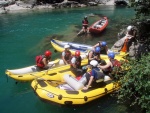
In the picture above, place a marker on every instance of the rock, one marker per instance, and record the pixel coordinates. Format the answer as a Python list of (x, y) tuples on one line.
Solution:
[(92, 4), (3, 3), (3, 10)]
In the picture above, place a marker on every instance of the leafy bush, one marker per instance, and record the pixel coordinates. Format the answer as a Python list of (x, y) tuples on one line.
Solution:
[(135, 84)]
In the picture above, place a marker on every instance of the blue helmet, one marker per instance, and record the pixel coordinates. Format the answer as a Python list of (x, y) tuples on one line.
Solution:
[(97, 49), (104, 43), (111, 55)]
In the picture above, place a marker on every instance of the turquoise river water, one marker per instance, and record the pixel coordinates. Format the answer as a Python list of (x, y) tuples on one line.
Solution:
[(23, 35)]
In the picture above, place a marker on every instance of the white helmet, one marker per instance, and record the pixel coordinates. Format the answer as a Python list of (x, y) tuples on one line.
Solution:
[(94, 63), (67, 46), (129, 28), (85, 17)]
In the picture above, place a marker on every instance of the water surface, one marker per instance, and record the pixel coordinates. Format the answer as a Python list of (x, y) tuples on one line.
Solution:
[(25, 35)]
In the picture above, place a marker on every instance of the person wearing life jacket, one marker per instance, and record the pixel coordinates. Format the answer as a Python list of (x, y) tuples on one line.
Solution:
[(131, 31), (93, 75), (76, 63), (66, 55), (43, 60), (109, 66), (129, 38), (103, 46), (85, 24), (95, 55)]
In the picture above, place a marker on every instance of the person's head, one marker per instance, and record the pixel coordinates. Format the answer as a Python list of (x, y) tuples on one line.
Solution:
[(111, 55), (48, 53), (85, 17), (97, 50), (67, 47), (103, 43), (77, 53), (129, 28), (93, 63)]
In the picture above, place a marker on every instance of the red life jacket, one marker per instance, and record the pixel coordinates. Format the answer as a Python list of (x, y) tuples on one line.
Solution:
[(39, 62), (85, 22), (115, 63)]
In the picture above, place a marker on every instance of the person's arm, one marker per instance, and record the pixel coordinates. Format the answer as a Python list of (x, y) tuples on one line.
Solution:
[(95, 45), (63, 58), (134, 32), (105, 66), (45, 62), (89, 83), (90, 56), (106, 48), (73, 60)]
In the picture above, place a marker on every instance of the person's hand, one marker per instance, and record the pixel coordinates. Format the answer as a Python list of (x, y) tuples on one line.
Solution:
[(98, 65), (85, 88), (95, 57)]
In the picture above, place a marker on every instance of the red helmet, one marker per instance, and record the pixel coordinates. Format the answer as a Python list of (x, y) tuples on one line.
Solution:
[(77, 53), (48, 53)]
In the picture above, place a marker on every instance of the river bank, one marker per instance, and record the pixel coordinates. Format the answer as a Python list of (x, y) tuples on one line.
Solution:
[(19, 6)]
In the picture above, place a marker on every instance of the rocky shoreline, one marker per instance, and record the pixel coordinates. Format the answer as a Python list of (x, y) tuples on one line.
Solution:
[(8, 6)]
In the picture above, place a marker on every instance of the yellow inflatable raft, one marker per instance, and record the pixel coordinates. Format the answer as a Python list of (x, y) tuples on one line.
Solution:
[(84, 49), (32, 72), (71, 93), (65, 89)]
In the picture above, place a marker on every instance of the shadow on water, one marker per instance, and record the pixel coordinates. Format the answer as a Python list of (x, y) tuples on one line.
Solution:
[(105, 104)]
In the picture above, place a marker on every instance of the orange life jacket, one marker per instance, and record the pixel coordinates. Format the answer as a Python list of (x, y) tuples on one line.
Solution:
[(125, 48)]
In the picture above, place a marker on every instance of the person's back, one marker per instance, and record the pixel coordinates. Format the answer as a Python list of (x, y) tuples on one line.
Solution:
[(93, 75), (42, 60)]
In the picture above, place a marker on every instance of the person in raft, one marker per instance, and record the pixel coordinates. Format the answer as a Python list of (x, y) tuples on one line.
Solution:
[(43, 60), (95, 55), (66, 55), (93, 75), (76, 64), (103, 46), (108, 68)]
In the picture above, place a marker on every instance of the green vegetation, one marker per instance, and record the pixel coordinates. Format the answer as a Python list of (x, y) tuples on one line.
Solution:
[(142, 8), (135, 82)]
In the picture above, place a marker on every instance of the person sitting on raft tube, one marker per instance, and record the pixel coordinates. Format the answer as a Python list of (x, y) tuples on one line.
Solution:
[(76, 64), (95, 55), (43, 60), (109, 66), (93, 75), (103, 46), (66, 55)]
